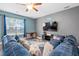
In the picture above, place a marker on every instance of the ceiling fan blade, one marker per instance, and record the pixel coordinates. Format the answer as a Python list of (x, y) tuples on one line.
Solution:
[(21, 4), (35, 9), (37, 3)]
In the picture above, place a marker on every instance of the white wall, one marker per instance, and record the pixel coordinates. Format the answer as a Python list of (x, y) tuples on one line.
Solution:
[(68, 22)]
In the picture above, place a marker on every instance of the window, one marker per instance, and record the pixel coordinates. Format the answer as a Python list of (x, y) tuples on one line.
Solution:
[(14, 26)]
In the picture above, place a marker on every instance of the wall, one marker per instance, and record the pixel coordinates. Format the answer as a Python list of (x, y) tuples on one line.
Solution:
[(30, 26), (68, 22)]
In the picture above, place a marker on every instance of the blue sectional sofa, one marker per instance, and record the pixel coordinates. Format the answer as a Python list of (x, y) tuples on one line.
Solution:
[(12, 48), (67, 48)]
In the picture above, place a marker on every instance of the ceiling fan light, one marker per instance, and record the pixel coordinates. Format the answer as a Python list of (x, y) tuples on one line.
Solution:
[(29, 7)]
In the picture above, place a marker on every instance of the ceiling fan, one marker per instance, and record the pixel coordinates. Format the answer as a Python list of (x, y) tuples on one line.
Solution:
[(31, 6)]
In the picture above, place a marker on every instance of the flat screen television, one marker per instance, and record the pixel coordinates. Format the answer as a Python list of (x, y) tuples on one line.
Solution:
[(47, 26), (51, 27), (54, 26)]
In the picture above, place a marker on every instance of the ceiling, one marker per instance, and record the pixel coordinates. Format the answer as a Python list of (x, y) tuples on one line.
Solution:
[(44, 9)]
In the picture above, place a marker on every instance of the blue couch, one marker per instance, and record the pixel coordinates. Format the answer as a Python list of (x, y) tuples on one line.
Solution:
[(55, 42), (12, 48), (67, 48)]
